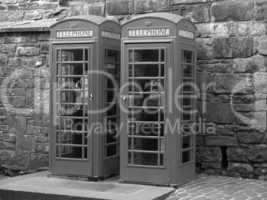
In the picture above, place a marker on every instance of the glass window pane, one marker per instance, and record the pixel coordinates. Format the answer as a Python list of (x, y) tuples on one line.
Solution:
[(146, 70), (58, 56), (187, 116), (70, 152), (131, 56), (188, 70), (147, 100), (72, 69), (72, 55), (187, 101), (143, 129), (147, 85), (188, 57), (130, 156), (145, 159), (146, 55), (70, 138), (146, 115), (146, 144), (186, 156), (111, 150), (162, 70), (162, 55), (186, 142)]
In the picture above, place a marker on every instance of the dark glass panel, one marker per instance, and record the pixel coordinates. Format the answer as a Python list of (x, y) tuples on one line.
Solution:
[(145, 159), (145, 55)]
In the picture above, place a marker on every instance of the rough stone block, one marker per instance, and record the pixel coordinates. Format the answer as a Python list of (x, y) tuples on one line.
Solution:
[(9, 49), (38, 161), (244, 169), (16, 102), (142, 6), (33, 15), (6, 155), (118, 7), (7, 146), (261, 45), (204, 48), (232, 47), (18, 162), (260, 82), (220, 113), (211, 165), (26, 143), (42, 148), (196, 13), (251, 137), (235, 10), (260, 9), (233, 83), (252, 64), (258, 153), (224, 130), (212, 154), (12, 15), (220, 141), (3, 60), (97, 8), (187, 1), (237, 154)]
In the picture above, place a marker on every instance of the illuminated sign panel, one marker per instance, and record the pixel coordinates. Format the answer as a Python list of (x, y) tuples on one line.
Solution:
[(111, 35), (75, 34), (186, 34), (151, 32)]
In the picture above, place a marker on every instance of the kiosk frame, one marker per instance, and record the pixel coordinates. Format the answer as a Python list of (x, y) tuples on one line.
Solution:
[(158, 58), (85, 55)]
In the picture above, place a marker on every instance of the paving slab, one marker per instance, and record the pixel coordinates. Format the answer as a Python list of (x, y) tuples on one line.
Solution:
[(209, 187), (42, 186)]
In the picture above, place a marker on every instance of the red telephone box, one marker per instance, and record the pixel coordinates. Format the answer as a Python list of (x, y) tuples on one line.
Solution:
[(85, 53), (159, 69)]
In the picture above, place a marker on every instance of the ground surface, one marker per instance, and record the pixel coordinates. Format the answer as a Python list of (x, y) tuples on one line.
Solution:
[(43, 185), (221, 188), (216, 188)]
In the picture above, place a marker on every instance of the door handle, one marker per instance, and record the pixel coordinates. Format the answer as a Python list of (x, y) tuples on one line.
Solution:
[(91, 97)]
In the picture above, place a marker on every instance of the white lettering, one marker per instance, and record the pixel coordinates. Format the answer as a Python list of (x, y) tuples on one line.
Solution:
[(74, 34), (156, 32)]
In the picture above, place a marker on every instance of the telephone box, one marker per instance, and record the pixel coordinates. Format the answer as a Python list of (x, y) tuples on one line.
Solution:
[(158, 98), (85, 64)]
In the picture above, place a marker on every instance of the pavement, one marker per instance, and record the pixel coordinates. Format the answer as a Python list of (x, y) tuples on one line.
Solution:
[(43, 186), (221, 188), (205, 187)]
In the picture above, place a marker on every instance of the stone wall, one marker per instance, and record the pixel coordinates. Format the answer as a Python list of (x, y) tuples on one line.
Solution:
[(24, 79), (232, 50)]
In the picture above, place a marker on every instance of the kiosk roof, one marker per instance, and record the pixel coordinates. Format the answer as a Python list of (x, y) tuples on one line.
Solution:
[(161, 15), (90, 18)]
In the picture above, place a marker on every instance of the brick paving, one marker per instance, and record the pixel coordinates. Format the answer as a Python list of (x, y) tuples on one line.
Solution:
[(221, 188)]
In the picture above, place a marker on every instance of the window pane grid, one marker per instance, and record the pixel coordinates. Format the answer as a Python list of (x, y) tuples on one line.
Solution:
[(72, 82), (187, 103), (111, 139), (146, 146)]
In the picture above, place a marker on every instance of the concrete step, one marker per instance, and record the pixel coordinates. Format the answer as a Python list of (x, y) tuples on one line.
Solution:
[(42, 186)]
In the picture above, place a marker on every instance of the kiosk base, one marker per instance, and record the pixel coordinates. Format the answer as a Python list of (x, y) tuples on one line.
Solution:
[(41, 186)]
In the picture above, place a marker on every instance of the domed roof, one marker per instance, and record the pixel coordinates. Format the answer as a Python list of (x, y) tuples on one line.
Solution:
[(161, 15), (98, 20)]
